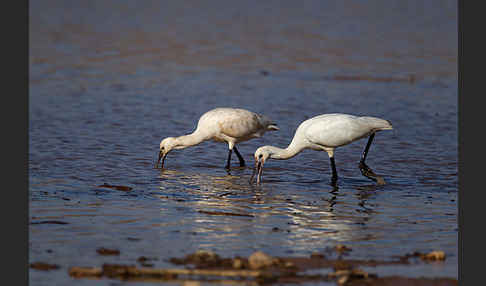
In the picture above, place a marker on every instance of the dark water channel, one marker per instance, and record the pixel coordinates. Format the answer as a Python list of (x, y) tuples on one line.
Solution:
[(110, 79)]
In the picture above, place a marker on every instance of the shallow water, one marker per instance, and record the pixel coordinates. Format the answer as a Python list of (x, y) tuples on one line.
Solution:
[(109, 80)]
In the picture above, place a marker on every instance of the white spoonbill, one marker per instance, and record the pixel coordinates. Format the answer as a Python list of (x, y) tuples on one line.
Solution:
[(231, 125), (326, 132)]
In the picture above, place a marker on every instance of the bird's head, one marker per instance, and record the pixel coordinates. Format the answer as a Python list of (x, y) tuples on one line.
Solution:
[(261, 155), (165, 147)]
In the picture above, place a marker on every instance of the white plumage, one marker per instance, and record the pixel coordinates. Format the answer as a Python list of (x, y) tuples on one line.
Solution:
[(231, 125), (325, 133)]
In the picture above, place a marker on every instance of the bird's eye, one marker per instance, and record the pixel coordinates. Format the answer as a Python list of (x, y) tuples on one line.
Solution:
[(261, 155)]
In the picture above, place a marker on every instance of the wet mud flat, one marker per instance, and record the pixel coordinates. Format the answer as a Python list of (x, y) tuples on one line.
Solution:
[(258, 269)]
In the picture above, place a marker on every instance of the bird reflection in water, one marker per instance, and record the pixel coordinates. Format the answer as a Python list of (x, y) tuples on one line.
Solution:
[(225, 192), (227, 207), (335, 221)]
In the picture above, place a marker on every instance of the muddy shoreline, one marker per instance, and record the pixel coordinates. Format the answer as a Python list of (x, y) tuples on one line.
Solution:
[(258, 269)]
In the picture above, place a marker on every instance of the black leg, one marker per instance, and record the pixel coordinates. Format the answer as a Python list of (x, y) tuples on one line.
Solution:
[(228, 161), (365, 152), (334, 172), (365, 170), (242, 161)]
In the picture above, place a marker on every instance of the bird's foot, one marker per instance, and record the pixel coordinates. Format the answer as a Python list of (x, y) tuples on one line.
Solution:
[(367, 172)]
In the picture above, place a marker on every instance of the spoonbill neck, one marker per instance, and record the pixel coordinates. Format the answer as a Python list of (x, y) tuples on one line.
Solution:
[(192, 139), (293, 149)]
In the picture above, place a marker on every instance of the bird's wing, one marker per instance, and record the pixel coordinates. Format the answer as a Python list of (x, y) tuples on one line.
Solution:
[(336, 131), (240, 124)]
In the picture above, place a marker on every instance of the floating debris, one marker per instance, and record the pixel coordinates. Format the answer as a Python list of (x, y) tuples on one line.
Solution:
[(44, 266), (345, 276), (317, 255), (143, 261), (434, 255), (264, 72), (119, 188), (259, 260), (49, 222), (79, 272), (225, 213), (202, 259), (431, 256), (410, 78), (342, 248), (238, 263), (106, 251)]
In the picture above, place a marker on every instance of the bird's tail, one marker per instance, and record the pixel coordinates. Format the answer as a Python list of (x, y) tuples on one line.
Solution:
[(272, 127)]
